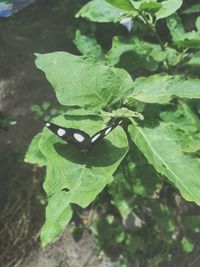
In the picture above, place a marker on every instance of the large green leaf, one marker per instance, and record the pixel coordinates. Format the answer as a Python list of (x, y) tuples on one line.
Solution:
[(83, 177), (162, 148), (168, 8), (82, 81), (161, 88), (99, 11)]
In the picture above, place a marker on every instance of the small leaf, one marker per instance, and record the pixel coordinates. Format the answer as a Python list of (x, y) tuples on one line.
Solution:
[(168, 8), (161, 146), (122, 4), (99, 11), (58, 215), (161, 88), (192, 9), (83, 81), (187, 244), (88, 46), (34, 155)]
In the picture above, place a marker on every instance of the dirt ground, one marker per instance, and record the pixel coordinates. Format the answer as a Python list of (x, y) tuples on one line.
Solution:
[(39, 28)]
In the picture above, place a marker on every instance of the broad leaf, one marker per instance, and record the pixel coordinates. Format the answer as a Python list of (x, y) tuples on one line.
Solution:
[(82, 81), (83, 177), (88, 46), (99, 11), (162, 88), (168, 8), (162, 148)]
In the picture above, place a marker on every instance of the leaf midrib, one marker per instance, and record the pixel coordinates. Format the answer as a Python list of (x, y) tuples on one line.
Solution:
[(171, 171)]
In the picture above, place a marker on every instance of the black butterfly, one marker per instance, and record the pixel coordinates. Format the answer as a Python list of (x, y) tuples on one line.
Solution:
[(79, 138)]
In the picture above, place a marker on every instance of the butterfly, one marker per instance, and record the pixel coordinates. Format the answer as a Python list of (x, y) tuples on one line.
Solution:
[(79, 138)]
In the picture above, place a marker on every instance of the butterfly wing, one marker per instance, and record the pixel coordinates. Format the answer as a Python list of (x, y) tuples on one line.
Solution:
[(71, 135), (101, 134)]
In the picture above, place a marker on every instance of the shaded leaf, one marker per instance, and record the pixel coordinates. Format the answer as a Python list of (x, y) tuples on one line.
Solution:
[(192, 9)]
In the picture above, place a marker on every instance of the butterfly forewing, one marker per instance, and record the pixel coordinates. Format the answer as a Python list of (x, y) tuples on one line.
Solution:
[(101, 134), (71, 135)]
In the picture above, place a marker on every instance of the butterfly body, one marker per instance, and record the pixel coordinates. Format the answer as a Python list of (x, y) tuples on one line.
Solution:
[(79, 138)]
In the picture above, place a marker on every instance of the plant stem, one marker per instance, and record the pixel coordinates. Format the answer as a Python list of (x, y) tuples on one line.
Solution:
[(152, 27)]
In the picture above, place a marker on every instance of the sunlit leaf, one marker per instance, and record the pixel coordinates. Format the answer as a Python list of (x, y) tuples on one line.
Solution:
[(34, 155), (161, 88), (161, 145), (99, 11), (168, 8), (83, 81)]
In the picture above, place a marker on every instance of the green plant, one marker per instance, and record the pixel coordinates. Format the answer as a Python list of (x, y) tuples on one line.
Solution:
[(151, 82)]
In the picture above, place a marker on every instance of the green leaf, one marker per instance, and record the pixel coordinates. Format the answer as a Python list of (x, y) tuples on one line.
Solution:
[(88, 46), (168, 8), (58, 215), (83, 177), (122, 4), (161, 146), (192, 9), (82, 81), (34, 155), (187, 244), (180, 37), (99, 11), (150, 6), (192, 222), (194, 60), (161, 88), (139, 54)]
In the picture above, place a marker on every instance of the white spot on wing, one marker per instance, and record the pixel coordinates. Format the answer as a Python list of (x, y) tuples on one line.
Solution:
[(108, 130), (79, 137), (120, 122), (48, 124), (95, 137), (61, 132)]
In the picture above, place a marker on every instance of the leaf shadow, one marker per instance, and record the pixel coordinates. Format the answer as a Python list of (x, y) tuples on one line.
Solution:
[(103, 154)]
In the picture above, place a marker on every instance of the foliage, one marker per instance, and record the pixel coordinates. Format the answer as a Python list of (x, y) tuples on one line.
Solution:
[(148, 78)]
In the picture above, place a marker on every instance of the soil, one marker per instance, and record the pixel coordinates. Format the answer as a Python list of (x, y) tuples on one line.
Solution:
[(41, 28)]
